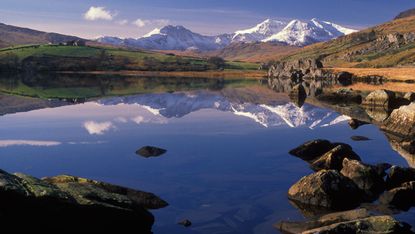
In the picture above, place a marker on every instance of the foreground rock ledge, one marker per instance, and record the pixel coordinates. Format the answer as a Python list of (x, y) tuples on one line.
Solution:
[(71, 204)]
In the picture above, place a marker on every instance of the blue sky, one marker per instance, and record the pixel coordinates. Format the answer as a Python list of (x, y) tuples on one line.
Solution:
[(135, 18)]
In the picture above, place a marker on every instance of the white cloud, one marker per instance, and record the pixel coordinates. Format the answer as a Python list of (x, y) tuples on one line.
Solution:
[(138, 119), (156, 22), (7, 143), (155, 120), (98, 128), (98, 13), (122, 22)]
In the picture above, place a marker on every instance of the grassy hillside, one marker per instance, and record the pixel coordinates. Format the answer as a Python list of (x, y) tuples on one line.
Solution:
[(12, 35), (89, 58), (388, 45)]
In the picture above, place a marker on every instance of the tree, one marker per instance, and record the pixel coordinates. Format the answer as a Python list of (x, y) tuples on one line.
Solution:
[(216, 63)]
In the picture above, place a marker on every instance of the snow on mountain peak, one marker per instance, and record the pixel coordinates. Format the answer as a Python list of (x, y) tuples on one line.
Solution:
[(153, 32), (259, 32)]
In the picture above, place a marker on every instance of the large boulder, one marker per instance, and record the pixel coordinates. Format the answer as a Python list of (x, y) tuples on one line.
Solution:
[(326, 188), (333, 159), (399, 175), (47, 205), (402, 121), (308, 68), (366, 177), (401, 197), (312, 149), (410, 96), (345, 78), (380, 98)]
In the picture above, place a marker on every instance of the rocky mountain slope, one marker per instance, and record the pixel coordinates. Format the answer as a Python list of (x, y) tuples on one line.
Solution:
[(387, 45)]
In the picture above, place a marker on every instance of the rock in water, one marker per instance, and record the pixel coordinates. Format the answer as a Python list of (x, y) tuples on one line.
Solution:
[(150, 151), (326, 188), (333, 159), (360, 138), (345, 78), (185, 223), (402, 121), (402, 197), (410, 96), (365, 177), (399, 175), (312, 149), (380, 98)]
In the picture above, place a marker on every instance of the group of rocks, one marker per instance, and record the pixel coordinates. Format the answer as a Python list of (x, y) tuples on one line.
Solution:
[(342, 182)]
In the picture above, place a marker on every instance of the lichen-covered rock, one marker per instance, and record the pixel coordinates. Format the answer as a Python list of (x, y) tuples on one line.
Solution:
[(401, 197), (365, 177), (325, 220), (312, 149), (87, 192), (380, 98), (402, 121), (326, 188), (310, 68), (333, 159), (374, 224)]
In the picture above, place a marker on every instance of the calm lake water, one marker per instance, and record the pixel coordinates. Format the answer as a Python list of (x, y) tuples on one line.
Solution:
[(227, 168)]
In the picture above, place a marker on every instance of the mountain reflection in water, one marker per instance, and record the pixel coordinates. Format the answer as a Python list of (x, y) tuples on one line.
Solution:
[(227, 167)]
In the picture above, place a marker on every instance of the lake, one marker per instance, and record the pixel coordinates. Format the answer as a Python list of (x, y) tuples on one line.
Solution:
[(227, 167)]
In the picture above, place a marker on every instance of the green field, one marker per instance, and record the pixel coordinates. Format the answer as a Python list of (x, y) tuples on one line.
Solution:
[(72, 58)]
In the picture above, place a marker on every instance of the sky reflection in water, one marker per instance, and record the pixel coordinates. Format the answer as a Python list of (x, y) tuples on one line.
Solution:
[(226, 169)]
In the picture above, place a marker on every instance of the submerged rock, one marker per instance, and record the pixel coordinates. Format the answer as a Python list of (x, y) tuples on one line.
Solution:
[(366, 177), (326, 188), (150, 151), (333, 159), (360, 138), (185, 223)]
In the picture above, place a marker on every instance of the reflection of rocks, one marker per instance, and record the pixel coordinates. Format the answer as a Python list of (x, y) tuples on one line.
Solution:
[(380, 99), (89, 205), (345, 78), (355, 123), (150, 151), (378, 114), (326, 188), (343, 96), (298, 95)]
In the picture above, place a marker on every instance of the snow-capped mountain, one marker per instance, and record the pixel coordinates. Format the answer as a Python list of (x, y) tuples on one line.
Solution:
[(296, 33), (300, 33), (173, 38), (176, 105), (260, 32)]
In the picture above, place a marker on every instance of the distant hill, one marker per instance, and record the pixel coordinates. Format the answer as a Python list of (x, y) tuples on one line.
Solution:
[(407, 13), (12, 35), (387, 45)]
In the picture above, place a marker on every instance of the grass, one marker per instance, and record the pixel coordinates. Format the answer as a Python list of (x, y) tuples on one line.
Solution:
[(117, 57), (395, 73)]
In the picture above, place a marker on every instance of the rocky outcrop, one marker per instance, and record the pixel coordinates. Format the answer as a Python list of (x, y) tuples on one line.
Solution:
[(404, 14), (366, 177), (326, 188), (410, 96), (297, 69), (399, 175), (380, 99), (402, 121), (310, 150), (49, 204)]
